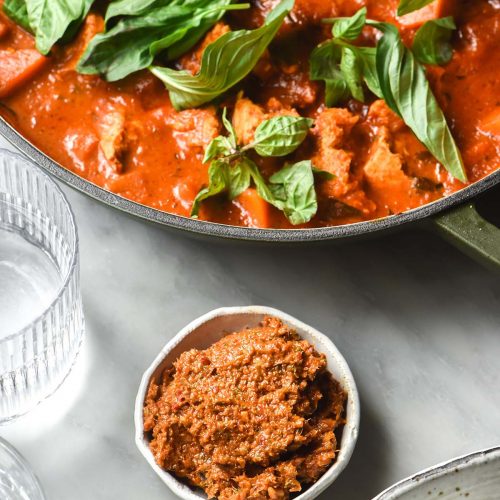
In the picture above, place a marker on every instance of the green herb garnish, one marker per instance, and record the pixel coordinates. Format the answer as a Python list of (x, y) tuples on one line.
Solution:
[(432, 41), (51, 21), (232, 171), (147, 28), (345, 68), (224, 63), (392, 72), (407, 91), (18, 12), (408, 6)]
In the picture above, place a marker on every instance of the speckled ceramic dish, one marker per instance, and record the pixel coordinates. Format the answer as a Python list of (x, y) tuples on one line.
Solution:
[(208, 329), (472, 477)]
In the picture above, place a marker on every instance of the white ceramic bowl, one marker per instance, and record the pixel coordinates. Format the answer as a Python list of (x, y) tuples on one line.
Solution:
[(474, 477), (211, 327)]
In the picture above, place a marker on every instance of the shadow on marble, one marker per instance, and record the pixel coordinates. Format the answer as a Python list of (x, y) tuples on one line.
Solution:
[(365, 475)]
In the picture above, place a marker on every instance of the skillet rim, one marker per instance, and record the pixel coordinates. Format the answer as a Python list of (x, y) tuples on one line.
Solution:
[(227, 232)]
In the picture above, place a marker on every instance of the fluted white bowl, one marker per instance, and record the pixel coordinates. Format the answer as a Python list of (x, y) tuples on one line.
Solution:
[(211, 327)]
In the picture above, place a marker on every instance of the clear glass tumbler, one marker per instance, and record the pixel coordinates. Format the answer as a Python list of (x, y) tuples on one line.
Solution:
[(17, 480), (41, 319)]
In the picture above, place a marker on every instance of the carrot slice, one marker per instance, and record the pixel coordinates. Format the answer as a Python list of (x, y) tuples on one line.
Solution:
[(255, 211), (17, 67), (435, 10)]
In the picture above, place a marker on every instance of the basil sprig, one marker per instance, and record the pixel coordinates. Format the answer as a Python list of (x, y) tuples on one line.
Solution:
[(51, 21), (224, 63), (392, 72), (348, 28), (407, 91), (169, 28), (231, 170), (345, 68), (408, 6), (432, 41)]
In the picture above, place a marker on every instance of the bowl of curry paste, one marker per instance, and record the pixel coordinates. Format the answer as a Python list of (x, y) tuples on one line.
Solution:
[(248, 402)]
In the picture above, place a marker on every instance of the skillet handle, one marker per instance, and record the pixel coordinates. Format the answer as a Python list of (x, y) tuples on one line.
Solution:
[(465, 228)]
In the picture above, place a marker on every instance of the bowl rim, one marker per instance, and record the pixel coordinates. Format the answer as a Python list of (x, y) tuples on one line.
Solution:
[(436, 471), (350, 430)]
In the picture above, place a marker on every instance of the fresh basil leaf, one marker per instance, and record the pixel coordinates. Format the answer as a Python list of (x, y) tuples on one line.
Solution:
[(218, 180), (324, 65), (260, 183), (239, 178), (345, 67), (343, 77), (432, 41), (224, 63), (232, 178), (349, 28), (223, 146), (18, 12), (229, 127), (281, 135), (54, 20), (323, 174), (136, 8), (351, 67), (408, 6), (219, 147), (293, 192), (134, 41), (407, 91), (368, 58)]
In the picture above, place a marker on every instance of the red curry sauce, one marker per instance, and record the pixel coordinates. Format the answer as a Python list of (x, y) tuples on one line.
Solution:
[(127, 138)]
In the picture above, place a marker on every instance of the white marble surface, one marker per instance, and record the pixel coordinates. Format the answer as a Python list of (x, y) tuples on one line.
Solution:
[(418, 322)]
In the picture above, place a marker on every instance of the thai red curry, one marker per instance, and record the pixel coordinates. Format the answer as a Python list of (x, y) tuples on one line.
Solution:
[(268, 114)]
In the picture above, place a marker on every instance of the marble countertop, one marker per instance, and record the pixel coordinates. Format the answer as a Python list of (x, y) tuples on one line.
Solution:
[(418, 322)]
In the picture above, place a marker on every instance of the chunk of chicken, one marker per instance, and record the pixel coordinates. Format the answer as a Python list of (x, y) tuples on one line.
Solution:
[(380, 115), (332, 128), (194, 127), (18, 67), (385, 175), (109, 120), (384, 169), (313, 11), (304, 13), (93, 24), (247, 116), (191, 61)]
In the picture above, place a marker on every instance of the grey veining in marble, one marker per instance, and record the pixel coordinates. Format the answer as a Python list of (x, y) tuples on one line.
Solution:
[(418, 322)]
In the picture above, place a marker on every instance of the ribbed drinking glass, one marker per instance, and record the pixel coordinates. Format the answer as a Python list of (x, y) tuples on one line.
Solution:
[(17, 480), (41, 319)]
